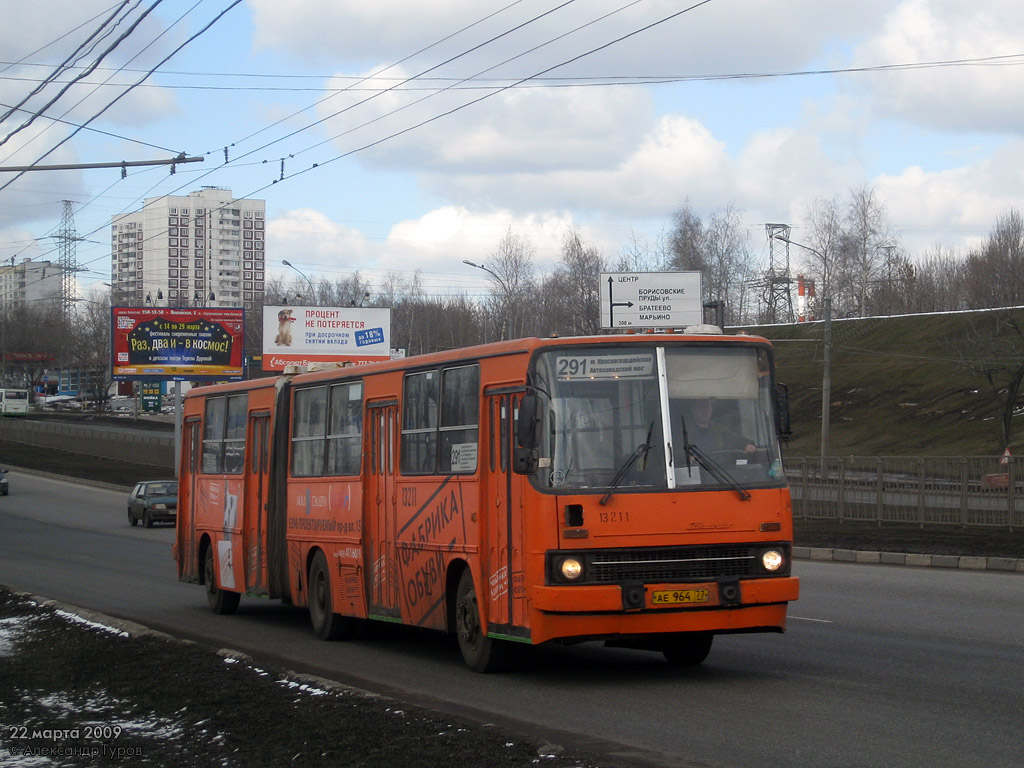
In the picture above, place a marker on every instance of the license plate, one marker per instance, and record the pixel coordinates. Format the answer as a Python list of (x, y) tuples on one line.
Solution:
[(679, 596)]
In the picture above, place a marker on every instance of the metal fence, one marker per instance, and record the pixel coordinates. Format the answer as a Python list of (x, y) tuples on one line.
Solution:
[(102, 443), (963, 491)]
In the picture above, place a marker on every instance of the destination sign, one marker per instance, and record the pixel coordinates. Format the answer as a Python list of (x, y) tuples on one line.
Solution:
[(616, 366)]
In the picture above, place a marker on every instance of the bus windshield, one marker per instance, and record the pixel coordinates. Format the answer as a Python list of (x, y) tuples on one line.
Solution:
[(677, 417)]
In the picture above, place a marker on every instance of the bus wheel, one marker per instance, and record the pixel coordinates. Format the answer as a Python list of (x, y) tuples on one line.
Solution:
[(326, 624), (481, 653), (222, 601), (688, 648)]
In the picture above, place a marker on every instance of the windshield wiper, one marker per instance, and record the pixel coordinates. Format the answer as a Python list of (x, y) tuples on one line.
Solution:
[(641, 451), (715, 469)]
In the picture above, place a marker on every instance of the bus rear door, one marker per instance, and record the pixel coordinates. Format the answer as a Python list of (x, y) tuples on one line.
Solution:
[(380, 503), (256, 498)]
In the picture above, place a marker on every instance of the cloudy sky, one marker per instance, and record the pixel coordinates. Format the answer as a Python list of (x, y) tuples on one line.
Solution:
[(394, 136)]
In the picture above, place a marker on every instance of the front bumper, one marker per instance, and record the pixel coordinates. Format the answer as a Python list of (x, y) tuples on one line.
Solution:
[(611, 610)]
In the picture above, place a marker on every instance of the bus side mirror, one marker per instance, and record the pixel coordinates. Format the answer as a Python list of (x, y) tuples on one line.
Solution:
[(524, 456), (782, 412), (526, 426)]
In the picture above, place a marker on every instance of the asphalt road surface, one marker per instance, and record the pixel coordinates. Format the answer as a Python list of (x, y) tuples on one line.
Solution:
[(882, 666)]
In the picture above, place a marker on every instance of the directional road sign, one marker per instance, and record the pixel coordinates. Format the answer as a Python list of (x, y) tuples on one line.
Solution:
[(651, 299)]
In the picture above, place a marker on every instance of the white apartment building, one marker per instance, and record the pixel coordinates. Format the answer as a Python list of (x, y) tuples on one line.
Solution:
[(30, 283), (203, 249)]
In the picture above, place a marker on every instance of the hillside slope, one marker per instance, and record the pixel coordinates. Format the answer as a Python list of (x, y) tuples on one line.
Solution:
[(905, 385)]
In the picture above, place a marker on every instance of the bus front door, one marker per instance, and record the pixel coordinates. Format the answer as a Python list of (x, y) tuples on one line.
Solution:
[(501, 502)]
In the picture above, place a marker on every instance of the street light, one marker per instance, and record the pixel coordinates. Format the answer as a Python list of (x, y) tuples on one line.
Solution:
[(508, 294), (826, 376), (312, 291)]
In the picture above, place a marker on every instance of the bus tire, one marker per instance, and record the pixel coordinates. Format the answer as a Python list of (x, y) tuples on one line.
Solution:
[(326, 624), (688, 649), (222, 601), (481, 653)]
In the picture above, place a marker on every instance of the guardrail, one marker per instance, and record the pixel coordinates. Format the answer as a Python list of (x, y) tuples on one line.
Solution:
[(963, 491), (103, 443)]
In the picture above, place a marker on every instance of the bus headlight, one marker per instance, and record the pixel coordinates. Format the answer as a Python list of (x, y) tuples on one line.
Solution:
[(772, 560), (570, 569)]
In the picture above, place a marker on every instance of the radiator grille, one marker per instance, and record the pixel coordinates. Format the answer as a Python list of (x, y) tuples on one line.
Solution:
[(678, 564)]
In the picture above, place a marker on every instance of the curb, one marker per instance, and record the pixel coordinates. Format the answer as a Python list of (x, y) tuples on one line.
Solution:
[(962, 562), (70, 478)]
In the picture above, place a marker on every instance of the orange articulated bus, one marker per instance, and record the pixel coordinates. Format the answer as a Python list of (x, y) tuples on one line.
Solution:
[(619, 488)]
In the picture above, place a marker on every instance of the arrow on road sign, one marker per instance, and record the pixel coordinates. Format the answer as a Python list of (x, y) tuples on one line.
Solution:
[(612, 304)]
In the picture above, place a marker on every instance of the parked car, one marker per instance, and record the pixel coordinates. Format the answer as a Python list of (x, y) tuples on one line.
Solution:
[(153, 501), (3, 482)]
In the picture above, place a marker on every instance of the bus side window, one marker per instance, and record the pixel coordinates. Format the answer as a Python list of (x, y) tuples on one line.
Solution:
[(460, 420), (309, 432), (234, 435), (419, 423), (213, 435), (344, 433)]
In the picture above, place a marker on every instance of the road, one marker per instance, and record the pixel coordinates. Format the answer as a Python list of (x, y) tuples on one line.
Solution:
[(882, 666)]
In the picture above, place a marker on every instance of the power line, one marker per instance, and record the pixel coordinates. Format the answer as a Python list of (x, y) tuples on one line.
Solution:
[(197, 34), (87, 71), (1012, 59)]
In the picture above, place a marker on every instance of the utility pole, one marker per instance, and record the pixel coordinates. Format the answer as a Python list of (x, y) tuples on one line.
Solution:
[(826, 375), (826, 386)]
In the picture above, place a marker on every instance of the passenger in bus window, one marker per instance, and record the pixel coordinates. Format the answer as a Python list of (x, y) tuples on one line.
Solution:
[(710, 431)]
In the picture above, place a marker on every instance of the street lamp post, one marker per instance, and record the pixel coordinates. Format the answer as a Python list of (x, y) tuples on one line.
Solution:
[(312, 292), (826, 376), (508, 294)]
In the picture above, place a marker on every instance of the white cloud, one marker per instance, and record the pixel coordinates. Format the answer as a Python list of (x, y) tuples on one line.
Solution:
[(712, 38), (433, 245), (678, 158), (522, 129), (960, 98)]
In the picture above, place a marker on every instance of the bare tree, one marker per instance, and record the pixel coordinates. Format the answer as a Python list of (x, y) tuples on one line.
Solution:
[(88, 347), (33, 338), (641, 255), (729, 262), (938, 283), (719, 248), (871, 243), (994, 351), (512, 271), (994, 275), (824, 255), (574, 288)]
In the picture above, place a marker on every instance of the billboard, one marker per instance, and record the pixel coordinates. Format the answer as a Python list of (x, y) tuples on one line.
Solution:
[(177, 344), (304, 335)]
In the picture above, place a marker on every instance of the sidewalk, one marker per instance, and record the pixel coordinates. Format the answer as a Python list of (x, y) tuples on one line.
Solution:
[(1005, 564)]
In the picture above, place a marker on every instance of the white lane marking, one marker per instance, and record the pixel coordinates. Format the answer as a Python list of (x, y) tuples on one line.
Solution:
[(807, 618)]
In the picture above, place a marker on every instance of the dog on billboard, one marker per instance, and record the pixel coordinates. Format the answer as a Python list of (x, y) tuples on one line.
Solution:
[(284, 328)]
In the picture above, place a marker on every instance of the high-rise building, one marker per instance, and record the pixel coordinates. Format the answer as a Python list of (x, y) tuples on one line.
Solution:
[(29, 283), (203, 249)]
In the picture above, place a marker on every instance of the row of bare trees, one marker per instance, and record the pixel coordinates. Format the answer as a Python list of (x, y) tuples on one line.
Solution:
[(845, 245)]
